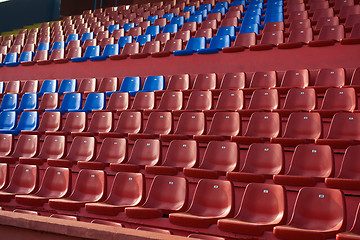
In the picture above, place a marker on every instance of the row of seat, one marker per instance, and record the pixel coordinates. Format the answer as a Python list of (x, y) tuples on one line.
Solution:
[(310, 163), (128, 195)]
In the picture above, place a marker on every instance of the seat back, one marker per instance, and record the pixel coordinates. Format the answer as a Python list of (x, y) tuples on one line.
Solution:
[(81, 149), (195, 44), (191, 123), (330, 77), (26, 146), (199, 100), (89, 186), (92, 51), (108, 84), (181, 154), (48, 86), (295, 78), (6, 145), (299, 99), (143, 101), (339, 99), (233, 81), (153, 83), (56, 183), (74, 122), (9, 102), (264, 99), (87, 85), (178, 82), (263, 80), (24, 179), (7, 120), (49, 101), (28, 101), (28, 121), (112, 150), (230, 100), (171, 100), (145, 152), (225, 124), (4, 175), (130, 84), (94, 101), (220, 156), (129, 122), (118, 101), (205, 81), (350, 167), (159, 123), (30, 86), (101, 122), (53, 147), (303, 125), (67, 85), (71, 101), (345, 126)]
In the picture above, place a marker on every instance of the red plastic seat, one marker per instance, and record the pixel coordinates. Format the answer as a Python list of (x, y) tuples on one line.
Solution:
[(171, 45), (354, 37), (12, 87), (89, 187), (129, 122), (4, 175), (229, 100), (146, 152), (30, 86), (223, 126), (55, 184), (329, 77), (269, 40), (81, 149), (344, 130), (229, 21), (24, 180), (233, 81), (162, 37), (318, 5), (53, 147), (128, 189), (157, 123), (178, 82), (118, 101), (213, 200), (101, 122), (48, 101), (273, 26), (190, 26), (170, 100), (321, 219), (242, 41), (27, 146), (198, 101), (50, 121), (346, 11), (205, 82), (262, 127), (159, 201), (189, 124), (294, 78), (6, 144), (354, 232), (298, 99), (310, 164), (328, 36), (112, 150), (148, 49), (302, 127), (262, 99), (204, 32), (349, 175), (219, 157), (108, 84), (324, 21), (74, 122), (129, 49), (322, 12), (181, 154), (300, 24), (338, 99), (297, 38), (144, 101), (295, 7), (263, 206), (263, 160), (214, 16)]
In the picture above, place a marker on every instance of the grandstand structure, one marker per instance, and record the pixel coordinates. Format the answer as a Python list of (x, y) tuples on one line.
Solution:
[(208, 119)]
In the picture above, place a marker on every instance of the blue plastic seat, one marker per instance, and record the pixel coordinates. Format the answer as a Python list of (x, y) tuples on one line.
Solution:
[(72, 37), (71, 101), (152, 83), (29, 101), (67, 85), (251, 19), (231, 31), (114, 27), (2, 87), (86, 36), (94, 101), (43, 46), (128, 84), (9, 102), (206, 7), (123, 40), (26, 57), (11, 60), (127, 26), (196, 18), (203, 13), (28, 121), (171, 28), (110, 49), (48, 86), (7, 120), (217, 43), (178, 20), (90, 52), (190, 9), (193, 45), (252, 12), (275, 17), (58, 45), (168, 16), (237, 3), (254, 5), (152, 18), (221, 10), (222, 4), (249, 28), (142, 39), (152, 30)]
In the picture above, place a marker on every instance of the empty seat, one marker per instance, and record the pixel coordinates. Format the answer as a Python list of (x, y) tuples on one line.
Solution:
[(302, 127), (262, 161), (310, 164), (171, 46), (29, 101), (6, 145), (205, 82), (109, 50), (4, 175), (127, 190), (53, 147), (353, 233), (344, 130), (305, 222), (213, 200), (232, 81), (129, 122), (242, 41), (263, 80), (81, 149), (348, 177), (263, 206), (189, 124), (107, 84), (269, 40), (87, 85), (74, 122), (198, 101), (193, 45), (67, 85), (329, 77), (30, 86), (56, 183), (28, 122), (219, 158), (48, 86), (297, 38), (159, 202), (223, 126), (89, 187), (152, 83), (112, 150), (148, 49), (158, 123), (294, 78), (90, 51), (94, 101), (9, 102), (328, 36), (7, 120), (354, 37), (145, 152), (24, 180), (170, 100), (71, 101)]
